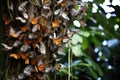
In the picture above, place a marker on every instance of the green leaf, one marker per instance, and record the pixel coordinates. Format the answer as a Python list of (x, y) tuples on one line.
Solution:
[(64, 70), (93, 73), (100, 1), (75, 77), (77, 51), (84, 64), (85, 44), (86, 34), (76, 38), (94, 65), (95, 41)]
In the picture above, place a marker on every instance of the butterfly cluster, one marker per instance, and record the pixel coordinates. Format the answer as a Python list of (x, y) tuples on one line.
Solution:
[(37, 33)]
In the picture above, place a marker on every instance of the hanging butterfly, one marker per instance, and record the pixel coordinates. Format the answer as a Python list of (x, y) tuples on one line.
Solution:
[(35, 20), (13, 33), (55, 23), (7, 47), (57, 41), (6, 20), (15, 55)]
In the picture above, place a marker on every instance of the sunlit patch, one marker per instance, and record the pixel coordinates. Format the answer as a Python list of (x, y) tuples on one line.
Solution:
[(110, 67), (99, 78), (100, 54), (96, 50), (76, 23), (98, 59), (108, 15), (116, 27), (104, 43), (100, 27)]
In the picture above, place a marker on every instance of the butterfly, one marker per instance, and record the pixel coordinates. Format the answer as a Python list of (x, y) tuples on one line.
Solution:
[(45, 1), (40, 68), (21, 19), (6, 20), (21, 36), (7, 47), (35, 28), (57, 41), (22, 6), (55, 23), (13, 33), (27, 42), (24, 28), (27, 61), (35, 20), (23, 55), (15, 55), (63, 3)]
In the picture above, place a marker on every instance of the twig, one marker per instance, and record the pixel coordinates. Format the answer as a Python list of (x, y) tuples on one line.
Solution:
[(69, 62)]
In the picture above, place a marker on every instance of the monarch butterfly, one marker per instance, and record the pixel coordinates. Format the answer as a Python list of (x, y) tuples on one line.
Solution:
[(55, 23), (35, 20), (14, 55), (6, 20), (57, 41), (63, 3), (40, 68), (24, 28)]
